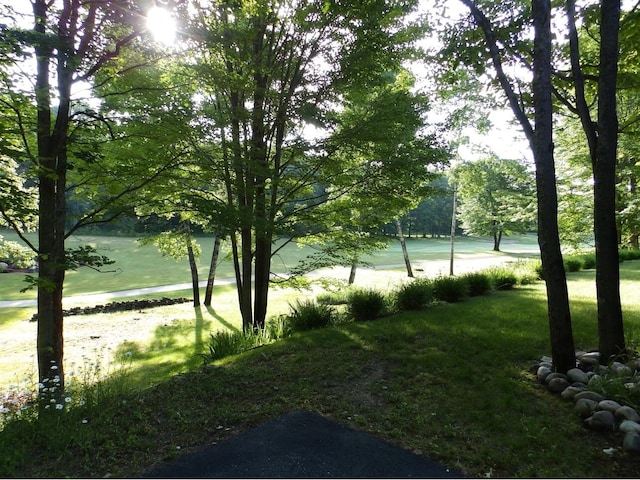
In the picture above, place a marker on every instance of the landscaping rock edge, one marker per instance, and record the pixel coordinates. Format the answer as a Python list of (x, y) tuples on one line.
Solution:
[(120, 306), (582, 385)]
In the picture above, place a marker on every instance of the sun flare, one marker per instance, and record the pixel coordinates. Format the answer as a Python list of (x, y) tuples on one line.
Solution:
[(162, 25)]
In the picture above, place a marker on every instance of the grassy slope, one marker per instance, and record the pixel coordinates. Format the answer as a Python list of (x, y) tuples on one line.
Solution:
[(450, 382)]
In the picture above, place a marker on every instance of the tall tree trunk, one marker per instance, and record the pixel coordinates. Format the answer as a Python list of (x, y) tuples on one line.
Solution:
[(610, 324), (212, 270), (352, 272), (453, 229), (246, 307), (52, 170), (541, 142), (403, 244), (562, 344), (603, 142), (497, 239), (193, 266)]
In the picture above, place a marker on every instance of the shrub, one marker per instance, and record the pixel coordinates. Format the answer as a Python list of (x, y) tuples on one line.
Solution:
[(414, 295), (572, 263), (15, 254), (527, 278), (366, 304), (277, 328), (588, 261), (480, 283), (306, 315), (450, 289), (629, 254), (225, 343), (503, 278)]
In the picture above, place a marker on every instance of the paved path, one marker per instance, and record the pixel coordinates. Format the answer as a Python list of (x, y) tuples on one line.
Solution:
[(302, 444)]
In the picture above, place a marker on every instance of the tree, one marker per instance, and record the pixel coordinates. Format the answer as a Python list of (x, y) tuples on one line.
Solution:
[(498, 41), (61, 147), (495, 197), (602, 139), (265, 76)]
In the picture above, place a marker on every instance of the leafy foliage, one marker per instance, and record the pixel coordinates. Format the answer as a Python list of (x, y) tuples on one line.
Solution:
[(366, 304), (307, 315), (496, 197), (414, 295), (480, 283), (450, 289), (15, 255)]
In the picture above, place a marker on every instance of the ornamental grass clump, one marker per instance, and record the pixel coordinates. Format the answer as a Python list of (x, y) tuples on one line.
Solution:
[(450, 289), (415, 295), (588, 261), (503, 278), (480, 283), (225, 343), (629, 254), (307, 315), (366, 304), (277, 328)]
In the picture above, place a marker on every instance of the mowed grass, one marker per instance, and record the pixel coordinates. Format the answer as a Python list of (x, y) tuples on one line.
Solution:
[(451, 382), (139, 266)]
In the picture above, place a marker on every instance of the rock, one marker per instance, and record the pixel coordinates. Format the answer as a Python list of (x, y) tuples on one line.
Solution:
[(577, 375), (4, 266), (627, 426), (543, 373), (546, 359), (553, 375), (557, 384), (609, 405), (583, 386), (602, 421), (631, 442), (627, 413), (533, 368), (621, 370), (585, 407), (571, 391), (589, 360), (596, 397)]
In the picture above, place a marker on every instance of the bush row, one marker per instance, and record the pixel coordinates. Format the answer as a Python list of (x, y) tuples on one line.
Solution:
[(578, 261), (364, 304)]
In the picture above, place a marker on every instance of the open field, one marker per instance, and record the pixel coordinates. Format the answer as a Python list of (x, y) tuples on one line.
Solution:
[(142, 266)]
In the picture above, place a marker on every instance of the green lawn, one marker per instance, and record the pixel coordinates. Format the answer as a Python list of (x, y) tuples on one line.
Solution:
[(142, 266), (451, 382)]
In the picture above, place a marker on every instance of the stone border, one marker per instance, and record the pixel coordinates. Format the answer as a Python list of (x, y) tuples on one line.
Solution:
[(581, 385)]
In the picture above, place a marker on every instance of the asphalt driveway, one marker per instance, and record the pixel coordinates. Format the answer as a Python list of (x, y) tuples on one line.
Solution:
[(302, 444)]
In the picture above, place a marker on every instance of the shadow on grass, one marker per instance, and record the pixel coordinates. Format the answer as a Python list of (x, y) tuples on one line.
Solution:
[(220, 319)]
